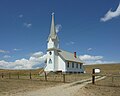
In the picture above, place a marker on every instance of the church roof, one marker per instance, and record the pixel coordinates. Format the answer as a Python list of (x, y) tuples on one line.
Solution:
[(69, 56), (53, 34)]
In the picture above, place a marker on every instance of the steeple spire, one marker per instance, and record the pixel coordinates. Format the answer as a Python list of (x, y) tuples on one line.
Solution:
[(52, 30), (53, 34)]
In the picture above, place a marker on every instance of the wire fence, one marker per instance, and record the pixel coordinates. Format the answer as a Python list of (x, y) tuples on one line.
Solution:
[(52, 77), (110, 80)]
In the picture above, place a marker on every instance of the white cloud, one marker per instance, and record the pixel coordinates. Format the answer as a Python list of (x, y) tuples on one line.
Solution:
[(89, 49), (70, 43), (111, 14), (21, 16), (3, 51), (28, 25), (103, 62), (37, 54), (89, 59), (58, 27), (17, 49), (6, 56), (34, 61)]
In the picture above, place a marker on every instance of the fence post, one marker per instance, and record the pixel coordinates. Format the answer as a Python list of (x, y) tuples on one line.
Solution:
[(45, 76), (2, 75), (63, 78), (18, 75), (30, 76), (9, 75), (93, 76)]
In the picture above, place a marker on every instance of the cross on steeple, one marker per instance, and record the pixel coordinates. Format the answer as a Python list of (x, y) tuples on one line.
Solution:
[(53, 34)]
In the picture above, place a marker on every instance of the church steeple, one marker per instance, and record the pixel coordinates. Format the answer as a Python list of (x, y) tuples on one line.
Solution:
[(53, 34), (53, 41)]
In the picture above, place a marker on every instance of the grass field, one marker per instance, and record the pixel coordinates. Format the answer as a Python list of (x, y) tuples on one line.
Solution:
[(13, 86), (105, 68), (110, 86), (101, 88)]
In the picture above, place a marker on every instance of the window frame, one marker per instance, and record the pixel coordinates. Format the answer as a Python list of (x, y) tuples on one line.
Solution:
[(80, 65), (72, 64), (68, 64), (50, 53), (76, 65), (50, 61)]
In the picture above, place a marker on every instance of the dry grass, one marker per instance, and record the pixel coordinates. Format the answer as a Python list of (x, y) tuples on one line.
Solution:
[(102, 88), (36, 71), (106, 87), (105, 68), (25, 74), (24, 84), (13, 86)]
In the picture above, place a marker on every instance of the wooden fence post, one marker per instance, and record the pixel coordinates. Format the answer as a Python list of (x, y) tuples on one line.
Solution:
[(30, 76), (63, 78), (45, 76), (93, 76), (2, 75)]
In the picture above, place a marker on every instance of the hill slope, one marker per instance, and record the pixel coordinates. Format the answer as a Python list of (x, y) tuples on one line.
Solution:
[(105, 68)]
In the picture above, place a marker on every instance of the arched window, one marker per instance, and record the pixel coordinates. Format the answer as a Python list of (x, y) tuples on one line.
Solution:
[(50, 52), (50, 61)]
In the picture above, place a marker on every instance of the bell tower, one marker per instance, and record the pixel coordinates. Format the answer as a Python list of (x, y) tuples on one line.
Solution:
[(52, 47)]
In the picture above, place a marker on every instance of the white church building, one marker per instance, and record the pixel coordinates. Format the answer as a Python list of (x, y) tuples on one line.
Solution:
[(59, 60)]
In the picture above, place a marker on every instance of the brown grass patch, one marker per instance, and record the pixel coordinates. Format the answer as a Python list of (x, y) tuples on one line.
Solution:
[(105, 68)]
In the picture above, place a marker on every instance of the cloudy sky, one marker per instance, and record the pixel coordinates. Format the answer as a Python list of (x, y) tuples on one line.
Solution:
[(89, 27)]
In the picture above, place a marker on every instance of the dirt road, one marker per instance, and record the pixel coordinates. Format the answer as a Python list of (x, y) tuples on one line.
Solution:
[(62, 90)]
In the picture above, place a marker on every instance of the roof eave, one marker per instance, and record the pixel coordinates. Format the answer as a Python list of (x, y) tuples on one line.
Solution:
[(79, 62)]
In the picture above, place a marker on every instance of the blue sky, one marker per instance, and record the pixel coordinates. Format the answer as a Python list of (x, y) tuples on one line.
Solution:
[(89, 27)]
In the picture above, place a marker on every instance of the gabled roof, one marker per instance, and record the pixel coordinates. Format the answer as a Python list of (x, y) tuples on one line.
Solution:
[(69, 56), (53, 34)]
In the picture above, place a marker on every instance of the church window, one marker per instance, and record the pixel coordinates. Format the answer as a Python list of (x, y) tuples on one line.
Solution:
[(76, 65), (80, 66), (68, 64), (50, 53), (50, 61), (72, 64)]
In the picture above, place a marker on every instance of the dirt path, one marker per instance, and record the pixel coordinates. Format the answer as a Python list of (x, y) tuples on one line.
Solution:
[(62, 90)]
